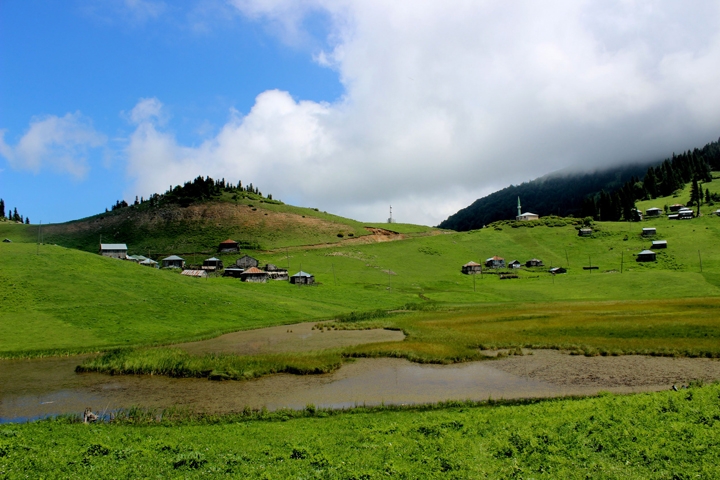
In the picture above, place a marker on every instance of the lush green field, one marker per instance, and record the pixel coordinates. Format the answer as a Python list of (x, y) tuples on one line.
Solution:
[(656, 435)]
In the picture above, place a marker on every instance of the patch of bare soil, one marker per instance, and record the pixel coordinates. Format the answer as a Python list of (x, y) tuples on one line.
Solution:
[(301, 337), (563, 369)]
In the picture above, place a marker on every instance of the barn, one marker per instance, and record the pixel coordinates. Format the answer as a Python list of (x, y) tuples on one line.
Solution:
[(471, 268), (276, 273), (653, 212), (515, 264), (254, 275), (246, 262), (228, 246), (212, 264), (173, 261), (114, 250), (495, 262), (534, 262), (302, 278), (646, 256)]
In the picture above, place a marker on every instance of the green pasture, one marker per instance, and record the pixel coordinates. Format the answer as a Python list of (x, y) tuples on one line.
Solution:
[(652, 435)]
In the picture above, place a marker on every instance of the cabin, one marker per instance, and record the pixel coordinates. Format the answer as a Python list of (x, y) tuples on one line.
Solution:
[(648, 232), (228, 246), (302, 278), (685, 214), (659, 244), (515, 264), (527, 216), (495, 262), (114, 250), (212, 264), (676, 207), (149, 263), (534, 262), (246, 262), (585, 232), (471, 268), (646, 256), (276, 273), (557, 270), (254, 275), (653, 212), (195, 273), (173, 261), (233, 272)]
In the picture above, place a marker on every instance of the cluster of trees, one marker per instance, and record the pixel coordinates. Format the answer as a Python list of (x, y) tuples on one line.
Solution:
[(12, 214), (659, 181), (198, 190)]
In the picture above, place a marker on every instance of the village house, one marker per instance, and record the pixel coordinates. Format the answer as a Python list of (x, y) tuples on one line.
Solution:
[(648, 232), (233, 272), (534, 262), (653, 212), (212, 264), (646, 256), (302, 278), (585, 232), (685, 214), (557, 270), (113, 250), (246, 262), (254, 275), (173, 261), (676, 207), (515, 264), (495, 262), (228, 246), (471, 268), (276, 273), (149, 263), (659, 244), (195, 273)]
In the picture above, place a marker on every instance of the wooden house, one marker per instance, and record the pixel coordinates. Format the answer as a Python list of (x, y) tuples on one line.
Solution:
[(276, 273), (648, 232), (557, 270), (646, 256), (659, 244), (246, 262), (471, 268), (254, 275), (685, 214), (495, 262), (302, 278), (148, 262), (585, 232), (233, 272), (534, 262), (113, 250), (653, 212), (515, 264), (676, 207), (228, 246), (173, 261), (195, 273), (212, 264)]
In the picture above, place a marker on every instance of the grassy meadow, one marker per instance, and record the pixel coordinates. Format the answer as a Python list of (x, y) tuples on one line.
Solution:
[(653, 435)]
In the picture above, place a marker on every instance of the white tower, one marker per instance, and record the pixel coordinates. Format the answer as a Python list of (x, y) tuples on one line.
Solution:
[(519, 210), (390, 219)]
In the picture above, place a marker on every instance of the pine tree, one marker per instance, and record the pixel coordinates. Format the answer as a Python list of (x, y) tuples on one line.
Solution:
[(695, 193), (2, 208), (27, 220)]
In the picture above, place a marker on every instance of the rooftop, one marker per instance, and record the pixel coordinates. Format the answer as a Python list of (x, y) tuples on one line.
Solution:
[(113, 246)]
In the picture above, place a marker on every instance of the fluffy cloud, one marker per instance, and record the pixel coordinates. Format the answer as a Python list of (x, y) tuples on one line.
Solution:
[(446, 101), (60, 143)]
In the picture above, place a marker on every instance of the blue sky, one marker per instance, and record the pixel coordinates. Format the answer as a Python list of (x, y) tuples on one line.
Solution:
[(345, 105)]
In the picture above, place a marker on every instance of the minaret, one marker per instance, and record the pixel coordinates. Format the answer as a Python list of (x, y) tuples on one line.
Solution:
[(390, 220), (519, 209)]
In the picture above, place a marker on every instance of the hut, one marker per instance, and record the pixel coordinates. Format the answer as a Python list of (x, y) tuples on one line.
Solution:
[(233, 272), (646, 256), (471, 268), (275, 272), (228, 246), (534, 262), (149, 263), (173, 261), (195, 273), (653, 212), (302, 278), (113, 250), (495, 262), (659, 244), (254, 275), (246, 262), (585, 232), (212, 264), (685, 214), (648, 232), (557, 270), (515, 264), (676, 207)]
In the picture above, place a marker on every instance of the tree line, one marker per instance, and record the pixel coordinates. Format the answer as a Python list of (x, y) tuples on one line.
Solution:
[(197, 190), (12, 214)]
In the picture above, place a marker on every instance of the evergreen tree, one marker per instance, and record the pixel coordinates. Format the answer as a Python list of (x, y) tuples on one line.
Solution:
[(2, 208), (27, 220), (695, 193)]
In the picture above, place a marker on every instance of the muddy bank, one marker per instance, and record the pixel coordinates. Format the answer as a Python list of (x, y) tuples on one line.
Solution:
[(34, 388), (301, 337)]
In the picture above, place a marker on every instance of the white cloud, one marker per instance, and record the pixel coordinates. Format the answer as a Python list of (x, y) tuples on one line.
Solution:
[(148, 110), (445, 101), (59, 143)]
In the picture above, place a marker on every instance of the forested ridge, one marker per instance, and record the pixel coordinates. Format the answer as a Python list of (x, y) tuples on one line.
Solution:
[(608, 195)]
